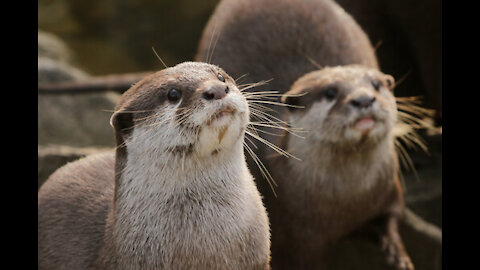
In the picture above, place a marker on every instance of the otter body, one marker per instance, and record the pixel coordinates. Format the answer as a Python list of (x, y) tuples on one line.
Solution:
[(347, 175), (347, 178), (176, 194)]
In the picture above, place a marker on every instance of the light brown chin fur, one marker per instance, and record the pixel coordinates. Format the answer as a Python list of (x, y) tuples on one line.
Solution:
[(221, 134)]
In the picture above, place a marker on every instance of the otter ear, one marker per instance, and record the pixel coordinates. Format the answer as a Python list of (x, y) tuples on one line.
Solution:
[(122, 122), (390, 82)]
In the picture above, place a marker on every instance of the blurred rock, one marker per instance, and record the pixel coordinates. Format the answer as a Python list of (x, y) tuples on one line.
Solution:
[(77, 120), (52, 157), (423, 242), (51, 70), (52, 47)]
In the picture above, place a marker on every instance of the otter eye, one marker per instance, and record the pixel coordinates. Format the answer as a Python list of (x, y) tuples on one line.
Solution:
[(376, 85), (331, 93), (220, 77), (174, 95)]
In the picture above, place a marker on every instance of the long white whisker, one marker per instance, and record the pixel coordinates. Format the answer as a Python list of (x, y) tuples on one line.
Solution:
[(271, 145), (262, 168)]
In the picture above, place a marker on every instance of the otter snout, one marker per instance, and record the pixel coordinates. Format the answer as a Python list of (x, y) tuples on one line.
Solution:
[(363, 101), (215, 91)]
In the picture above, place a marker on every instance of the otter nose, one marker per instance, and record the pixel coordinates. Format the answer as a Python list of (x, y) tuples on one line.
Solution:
[(363, 101), (217, 91)]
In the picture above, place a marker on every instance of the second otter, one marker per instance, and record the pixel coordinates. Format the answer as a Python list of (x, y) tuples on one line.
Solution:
[(348, 176)]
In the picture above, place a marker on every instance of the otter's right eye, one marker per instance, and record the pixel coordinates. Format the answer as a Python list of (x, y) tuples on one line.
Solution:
[(331, 93), (376, 85), (174, 95)]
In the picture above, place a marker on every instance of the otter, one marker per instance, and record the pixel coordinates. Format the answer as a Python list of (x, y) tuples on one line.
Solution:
[(348, 176), (175, 194), (324, 64)]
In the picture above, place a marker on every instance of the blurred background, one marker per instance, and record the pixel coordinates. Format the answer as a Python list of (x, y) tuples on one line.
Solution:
[(116, 36), (81, 39)]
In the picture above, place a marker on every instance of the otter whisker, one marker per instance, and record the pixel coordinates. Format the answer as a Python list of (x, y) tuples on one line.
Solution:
[(247, 138), (414, 122), (272, 96), (403, 78), (271, 145), (313, 62), (213, 49), (159, 58), (405, 158), (412, 104), (155, 123), (153, 116), (379, 43), (210, 43), (263, 131), (268, 124), (272, 92), (260, 115), (263, 169), (249, 86), (277, 103), (261, 97), (236, 80), (156, 115), (127, 111), (162, 120), (262, 108), (412, 117), (184, 116), (255, 83), (265, 116)]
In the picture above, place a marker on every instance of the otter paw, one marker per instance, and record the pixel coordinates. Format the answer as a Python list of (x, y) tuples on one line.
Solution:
[(396, 256)]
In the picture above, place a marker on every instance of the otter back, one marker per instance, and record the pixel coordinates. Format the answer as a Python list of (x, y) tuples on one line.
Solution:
[(282, 40)]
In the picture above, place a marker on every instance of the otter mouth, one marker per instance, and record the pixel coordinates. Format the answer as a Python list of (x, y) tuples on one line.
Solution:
[(221, 113), (365, 123)]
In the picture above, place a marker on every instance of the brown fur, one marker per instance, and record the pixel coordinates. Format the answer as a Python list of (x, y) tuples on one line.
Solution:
[(71, 213), (340, 186), (97, 213), (318, 203)]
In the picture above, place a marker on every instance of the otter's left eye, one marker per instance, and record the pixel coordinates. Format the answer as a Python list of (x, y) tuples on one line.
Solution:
[(220, 77), (331, 93), (174, 95), (376, 85)]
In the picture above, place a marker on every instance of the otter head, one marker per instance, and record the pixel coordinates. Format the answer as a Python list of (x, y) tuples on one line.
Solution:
[(189, 109), (343, 107)]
